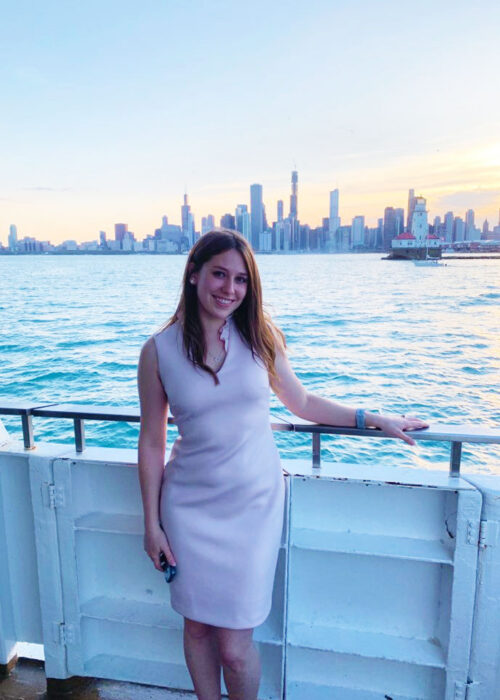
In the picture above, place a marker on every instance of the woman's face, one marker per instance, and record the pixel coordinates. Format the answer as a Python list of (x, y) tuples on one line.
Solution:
[(221, 285)]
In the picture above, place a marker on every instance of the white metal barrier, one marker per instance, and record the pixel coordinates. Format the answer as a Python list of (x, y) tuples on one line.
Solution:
[(378, 591)]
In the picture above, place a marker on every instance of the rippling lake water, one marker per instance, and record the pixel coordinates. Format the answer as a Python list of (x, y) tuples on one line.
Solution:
[(361, 330)]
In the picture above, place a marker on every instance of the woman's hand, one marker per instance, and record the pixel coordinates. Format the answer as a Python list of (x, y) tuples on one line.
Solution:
[(155, 541), (394, 426)]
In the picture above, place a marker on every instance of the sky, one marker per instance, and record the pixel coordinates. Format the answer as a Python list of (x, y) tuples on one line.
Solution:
[(112, 109)]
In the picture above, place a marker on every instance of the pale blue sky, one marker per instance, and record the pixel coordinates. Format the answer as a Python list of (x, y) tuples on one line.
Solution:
[(112, 108)]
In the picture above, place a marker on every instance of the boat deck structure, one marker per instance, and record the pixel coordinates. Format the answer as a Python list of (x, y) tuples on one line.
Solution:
[(387, 583)]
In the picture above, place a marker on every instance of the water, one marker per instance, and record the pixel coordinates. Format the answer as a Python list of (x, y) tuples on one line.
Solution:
[(360, 330)]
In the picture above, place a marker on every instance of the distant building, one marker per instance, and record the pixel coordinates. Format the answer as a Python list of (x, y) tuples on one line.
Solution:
[(207, 224), (399, 214), (242, 221), (265, 241), (458, 230), (470, 229), (294, 196), (389, 231), (448, 227), (13, 238), (187, 220), (120, 231), (102, 240), (358, 232), (280, 210), (334, 220), (256, 214), (411, 208), (228, 221)]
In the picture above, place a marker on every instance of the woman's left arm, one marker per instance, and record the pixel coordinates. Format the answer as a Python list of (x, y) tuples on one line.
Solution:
[(319, 410)]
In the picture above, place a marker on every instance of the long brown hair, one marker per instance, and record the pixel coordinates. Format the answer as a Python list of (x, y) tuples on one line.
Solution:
[(254, 324)]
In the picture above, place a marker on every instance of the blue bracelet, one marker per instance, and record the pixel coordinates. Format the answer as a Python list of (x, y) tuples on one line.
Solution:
[(360, 419)]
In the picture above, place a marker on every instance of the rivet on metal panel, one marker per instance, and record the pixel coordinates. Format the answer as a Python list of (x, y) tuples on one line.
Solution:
[(472, 534)]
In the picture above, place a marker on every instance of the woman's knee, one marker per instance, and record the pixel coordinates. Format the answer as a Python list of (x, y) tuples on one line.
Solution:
[(235, 648), (197, 630)]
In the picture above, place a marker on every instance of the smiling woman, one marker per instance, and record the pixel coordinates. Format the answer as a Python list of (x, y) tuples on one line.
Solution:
[(216, 510)]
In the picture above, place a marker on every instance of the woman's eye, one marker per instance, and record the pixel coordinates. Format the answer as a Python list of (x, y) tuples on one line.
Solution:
[(241, 280), (218, 273)]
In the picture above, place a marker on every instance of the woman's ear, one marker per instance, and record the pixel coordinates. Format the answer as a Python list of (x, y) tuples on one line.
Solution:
[(192, 275)]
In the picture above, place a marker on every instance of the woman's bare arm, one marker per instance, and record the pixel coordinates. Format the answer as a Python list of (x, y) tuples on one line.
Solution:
[(320, 410), (152, 442)]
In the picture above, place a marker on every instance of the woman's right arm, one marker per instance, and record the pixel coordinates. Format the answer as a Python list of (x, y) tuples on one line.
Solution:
[(152, 442)]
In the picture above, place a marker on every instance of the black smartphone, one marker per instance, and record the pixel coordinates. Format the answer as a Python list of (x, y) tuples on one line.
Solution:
[(168, 570)]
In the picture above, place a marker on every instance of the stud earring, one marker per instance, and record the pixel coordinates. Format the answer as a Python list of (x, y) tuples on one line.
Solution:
[(192, 280)]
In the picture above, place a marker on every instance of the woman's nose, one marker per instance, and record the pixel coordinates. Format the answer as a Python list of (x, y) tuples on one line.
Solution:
[(229, 285)]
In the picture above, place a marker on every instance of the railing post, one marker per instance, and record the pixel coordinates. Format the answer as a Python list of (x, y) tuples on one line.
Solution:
[(29, 440), (79, 434), (316, 449), (455, 455)]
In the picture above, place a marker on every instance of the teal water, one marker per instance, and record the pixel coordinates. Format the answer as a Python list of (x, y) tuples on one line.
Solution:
[(363, 331)]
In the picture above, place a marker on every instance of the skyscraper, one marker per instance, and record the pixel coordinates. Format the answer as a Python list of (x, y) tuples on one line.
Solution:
[(389, 227), (256, 214), (187, 221), (448, 227), (294, 195), (334, 222), (411, 207), (358, 231), (280, 210), (399, 213), (242, 221), (13, 238), (120, 231), (469, 225), (227, 221)]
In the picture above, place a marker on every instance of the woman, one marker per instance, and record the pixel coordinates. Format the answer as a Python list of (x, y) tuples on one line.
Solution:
[(216, 510)]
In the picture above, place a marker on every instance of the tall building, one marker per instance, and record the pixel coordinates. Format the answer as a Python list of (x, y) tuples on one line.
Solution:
[(207, 224), (102, 240), (411, 207), (358, 232), (187, 221), (120, 231), (458, 230), (334, 219), (256, 215), (389, 231), (469, 225), (294, 195), (280, 210), (242, 221), (399, 213), (448, 227), (486, 229), (13, 238), (228, 221)]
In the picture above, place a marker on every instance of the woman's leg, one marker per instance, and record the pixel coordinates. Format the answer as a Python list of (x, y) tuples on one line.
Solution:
[(202, 659), (240, 663)]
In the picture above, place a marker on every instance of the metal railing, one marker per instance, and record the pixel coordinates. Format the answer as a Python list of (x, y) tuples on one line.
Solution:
[(79, 413)]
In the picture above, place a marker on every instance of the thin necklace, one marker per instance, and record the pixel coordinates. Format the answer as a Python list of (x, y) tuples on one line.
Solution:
[(216, 359)]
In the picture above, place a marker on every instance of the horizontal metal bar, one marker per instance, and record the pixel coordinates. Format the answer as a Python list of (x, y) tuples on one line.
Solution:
[(436, 432)]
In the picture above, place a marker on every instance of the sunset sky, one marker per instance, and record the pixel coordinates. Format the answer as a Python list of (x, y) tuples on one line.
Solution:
[(111, 109)]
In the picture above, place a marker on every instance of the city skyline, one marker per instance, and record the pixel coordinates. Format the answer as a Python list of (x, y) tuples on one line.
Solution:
[(114, 110), (286, 233)]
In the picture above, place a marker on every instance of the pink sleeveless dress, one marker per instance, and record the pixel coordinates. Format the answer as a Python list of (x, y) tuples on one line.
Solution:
[(222, 496)]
